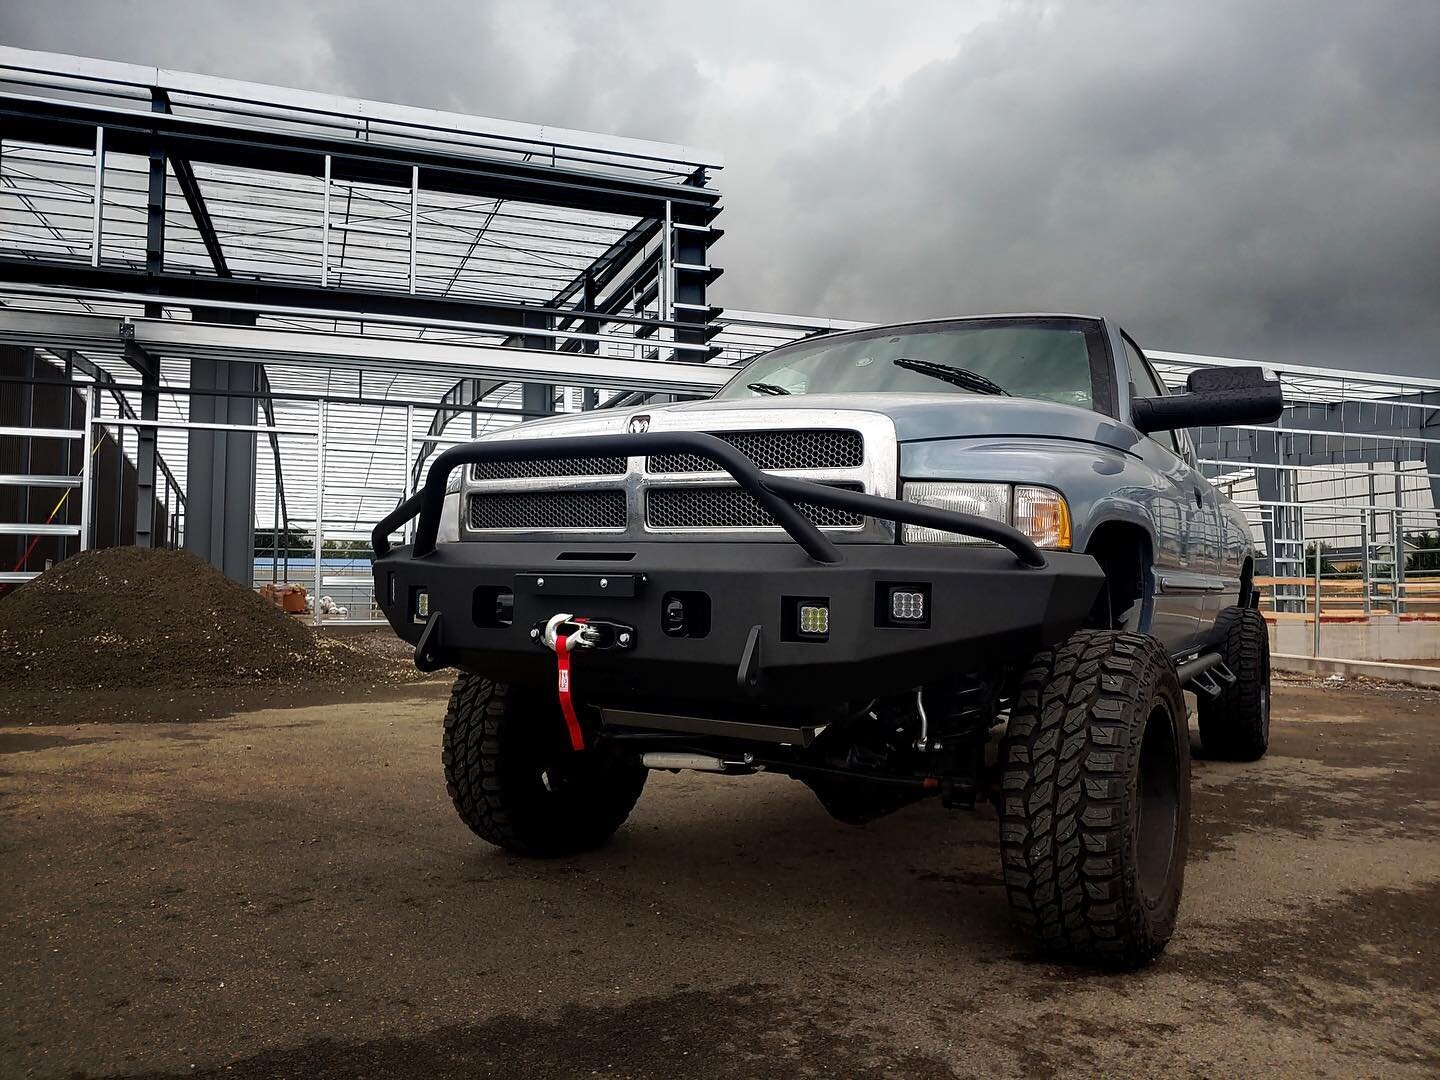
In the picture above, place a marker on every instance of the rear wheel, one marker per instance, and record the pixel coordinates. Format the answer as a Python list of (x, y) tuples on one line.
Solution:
[(517, 783), (1095, 806), (1235, 726)]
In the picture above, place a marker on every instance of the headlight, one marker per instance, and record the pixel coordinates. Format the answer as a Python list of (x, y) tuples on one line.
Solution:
[(1039, 512), (982, 500)]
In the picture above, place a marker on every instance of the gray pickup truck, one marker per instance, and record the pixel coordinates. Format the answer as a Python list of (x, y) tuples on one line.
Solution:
[(970, 558)]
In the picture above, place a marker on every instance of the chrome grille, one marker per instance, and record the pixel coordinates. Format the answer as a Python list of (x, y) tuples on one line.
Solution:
[(524, 470), (730, 508), (832, 448), (547, 510)]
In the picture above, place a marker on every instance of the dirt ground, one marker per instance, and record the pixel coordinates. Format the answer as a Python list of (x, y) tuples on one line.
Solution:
[(287, 893)]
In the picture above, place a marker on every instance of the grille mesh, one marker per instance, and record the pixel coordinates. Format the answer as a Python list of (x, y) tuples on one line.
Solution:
[(547, 510), (831, 448), (729, 508), (522, 470)]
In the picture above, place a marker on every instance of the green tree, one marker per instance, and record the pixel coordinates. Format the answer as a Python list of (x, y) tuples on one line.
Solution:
[(1327, 568), (293, 542), (347, 549), (1426, 553)]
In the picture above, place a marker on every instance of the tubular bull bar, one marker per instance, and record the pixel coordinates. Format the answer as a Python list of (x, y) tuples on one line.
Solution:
[(777, 495), (982, 605)]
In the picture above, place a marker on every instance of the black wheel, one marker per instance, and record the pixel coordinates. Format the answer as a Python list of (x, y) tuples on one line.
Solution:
[(1236, 725), (1095, 806), (517, 783)]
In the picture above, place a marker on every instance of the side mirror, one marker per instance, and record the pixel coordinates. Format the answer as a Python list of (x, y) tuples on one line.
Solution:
[(1213, 397)]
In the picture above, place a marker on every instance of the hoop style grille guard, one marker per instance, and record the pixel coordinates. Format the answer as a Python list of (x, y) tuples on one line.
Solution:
[(777, 495)]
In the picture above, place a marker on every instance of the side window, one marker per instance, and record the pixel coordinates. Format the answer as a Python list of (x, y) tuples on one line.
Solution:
[(1144, 383)]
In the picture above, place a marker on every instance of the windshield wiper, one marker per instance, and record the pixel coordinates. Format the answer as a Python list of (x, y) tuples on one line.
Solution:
[(955, 376), (766, 388)]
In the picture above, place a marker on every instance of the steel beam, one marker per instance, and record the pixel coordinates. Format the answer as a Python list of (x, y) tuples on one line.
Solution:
[(73, 123), (102, 296), (360, 115), (215, 291), (176, 337), (195, 200)]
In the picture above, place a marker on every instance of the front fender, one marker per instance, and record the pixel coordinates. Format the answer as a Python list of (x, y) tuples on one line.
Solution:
[(1101, 483)]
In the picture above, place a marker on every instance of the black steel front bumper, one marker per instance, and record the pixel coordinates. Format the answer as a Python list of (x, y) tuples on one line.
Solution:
[(477, 605)]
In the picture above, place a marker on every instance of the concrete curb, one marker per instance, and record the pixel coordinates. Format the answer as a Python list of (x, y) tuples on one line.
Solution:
[(1410, 674)]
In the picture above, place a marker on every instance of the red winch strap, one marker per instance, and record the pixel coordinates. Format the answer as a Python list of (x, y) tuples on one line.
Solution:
[(562, 685)]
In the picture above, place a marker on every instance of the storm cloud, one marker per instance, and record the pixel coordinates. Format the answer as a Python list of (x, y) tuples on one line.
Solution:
[(1238, 178)]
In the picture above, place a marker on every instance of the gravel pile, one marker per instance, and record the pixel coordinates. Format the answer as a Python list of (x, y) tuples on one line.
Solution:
[(147, 619)]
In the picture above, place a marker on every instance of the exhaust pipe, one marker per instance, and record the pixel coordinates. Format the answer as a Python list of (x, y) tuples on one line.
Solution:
[(665, 759)]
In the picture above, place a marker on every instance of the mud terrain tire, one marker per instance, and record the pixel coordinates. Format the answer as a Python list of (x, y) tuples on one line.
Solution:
[(515, 781), (1095, 799)]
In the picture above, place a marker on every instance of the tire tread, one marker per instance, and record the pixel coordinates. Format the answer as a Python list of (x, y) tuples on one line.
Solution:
[(479, 747), (1069, 774), (1233, 726)]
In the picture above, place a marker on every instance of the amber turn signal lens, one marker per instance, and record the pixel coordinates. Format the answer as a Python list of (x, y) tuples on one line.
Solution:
[(1043, 515)]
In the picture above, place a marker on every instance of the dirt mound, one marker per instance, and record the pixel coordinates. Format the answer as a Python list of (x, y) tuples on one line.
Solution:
[(145, 619)]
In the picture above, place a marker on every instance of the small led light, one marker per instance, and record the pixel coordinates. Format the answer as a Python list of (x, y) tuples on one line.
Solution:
[(907, 606), (422, 606), (814, 619)]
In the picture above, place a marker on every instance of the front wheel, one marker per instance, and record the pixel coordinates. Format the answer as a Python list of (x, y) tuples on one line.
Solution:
[(515, 780), (1095, 807)]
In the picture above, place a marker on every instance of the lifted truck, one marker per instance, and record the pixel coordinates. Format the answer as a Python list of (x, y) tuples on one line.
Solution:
[(867, 554)]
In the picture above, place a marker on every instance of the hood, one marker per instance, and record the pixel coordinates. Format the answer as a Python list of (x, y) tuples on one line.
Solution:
[(916, 417)]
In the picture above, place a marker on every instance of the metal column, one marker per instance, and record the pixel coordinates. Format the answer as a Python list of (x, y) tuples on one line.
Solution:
[(220, 504), (145, 440), (97, 208), (589, 396), (87, 467), (537, 399), (148, 366), (319, 510), (325, 229)]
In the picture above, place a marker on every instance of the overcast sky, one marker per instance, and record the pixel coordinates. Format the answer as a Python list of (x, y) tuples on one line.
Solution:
[(1237, 177)]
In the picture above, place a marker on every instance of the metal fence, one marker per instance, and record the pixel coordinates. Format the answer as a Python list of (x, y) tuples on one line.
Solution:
[(362, 451)]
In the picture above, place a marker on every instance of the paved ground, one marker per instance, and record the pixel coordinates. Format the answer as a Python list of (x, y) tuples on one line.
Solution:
[(288, 893)]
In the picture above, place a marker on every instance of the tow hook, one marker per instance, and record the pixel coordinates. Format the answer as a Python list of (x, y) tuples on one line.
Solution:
[(583, 633), (563, 633)]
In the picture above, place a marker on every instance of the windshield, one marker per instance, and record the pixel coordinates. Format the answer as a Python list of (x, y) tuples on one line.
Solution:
[(1045, 358)]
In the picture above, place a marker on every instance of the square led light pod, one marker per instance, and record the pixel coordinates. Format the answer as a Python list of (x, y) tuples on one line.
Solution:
[(814, 620), (805, 618), (903, 603)]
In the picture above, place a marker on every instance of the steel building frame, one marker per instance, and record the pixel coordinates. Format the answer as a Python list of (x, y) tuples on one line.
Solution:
[(230, 226)]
